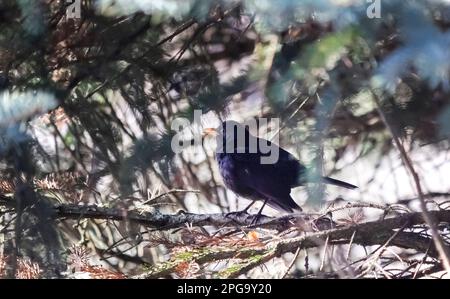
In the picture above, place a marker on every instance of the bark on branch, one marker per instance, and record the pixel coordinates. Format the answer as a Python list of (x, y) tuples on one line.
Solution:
[(161, 221), (169, 221)]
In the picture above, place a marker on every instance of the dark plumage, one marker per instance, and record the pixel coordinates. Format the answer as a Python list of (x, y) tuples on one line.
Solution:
[(243, 172)]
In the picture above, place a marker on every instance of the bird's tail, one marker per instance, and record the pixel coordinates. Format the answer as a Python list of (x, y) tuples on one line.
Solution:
[(285, 203), (335, 182)]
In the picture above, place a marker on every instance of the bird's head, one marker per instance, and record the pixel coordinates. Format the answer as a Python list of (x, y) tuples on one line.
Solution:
[(230, 133)]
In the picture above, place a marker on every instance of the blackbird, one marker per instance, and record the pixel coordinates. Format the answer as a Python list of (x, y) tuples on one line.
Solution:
[(239, 156)]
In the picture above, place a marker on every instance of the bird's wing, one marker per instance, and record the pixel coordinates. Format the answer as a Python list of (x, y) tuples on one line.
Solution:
[(271, 181), (286, 167), (269, 186)]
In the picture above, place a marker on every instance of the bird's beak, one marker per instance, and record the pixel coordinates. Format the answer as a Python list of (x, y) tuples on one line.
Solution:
[(209, 132)]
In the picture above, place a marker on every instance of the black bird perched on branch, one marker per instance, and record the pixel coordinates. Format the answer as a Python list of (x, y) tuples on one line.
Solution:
[(248, 169)]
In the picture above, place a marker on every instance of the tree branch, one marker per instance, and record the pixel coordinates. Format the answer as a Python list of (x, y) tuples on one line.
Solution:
[(253, 257), (366, 234), (161, 221)]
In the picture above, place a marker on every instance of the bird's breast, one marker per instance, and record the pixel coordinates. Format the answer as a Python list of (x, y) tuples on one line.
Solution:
[(227, 170)]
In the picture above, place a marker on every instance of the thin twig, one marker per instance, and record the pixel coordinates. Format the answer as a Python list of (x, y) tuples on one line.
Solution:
[(421, 262), (168, 193), (325, 249), (290, 117), (376, 254), (291, 264), (347, 256)]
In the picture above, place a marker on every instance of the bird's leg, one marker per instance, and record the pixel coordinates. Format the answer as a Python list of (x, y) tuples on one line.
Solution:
[(255, 220), (248, 207), (241, 211)]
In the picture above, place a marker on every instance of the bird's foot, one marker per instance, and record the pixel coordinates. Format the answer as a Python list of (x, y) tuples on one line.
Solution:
[(237, 213), (241, 212), (258, 216), (255, 219)]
